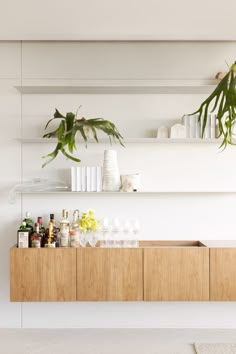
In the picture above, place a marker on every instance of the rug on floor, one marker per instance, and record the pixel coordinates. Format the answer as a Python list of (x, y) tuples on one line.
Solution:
[(215, 348)]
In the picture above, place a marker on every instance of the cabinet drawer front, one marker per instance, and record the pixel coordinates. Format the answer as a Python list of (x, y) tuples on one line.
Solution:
[(43, 274), (223, 274), (176, 274), (105, 274)]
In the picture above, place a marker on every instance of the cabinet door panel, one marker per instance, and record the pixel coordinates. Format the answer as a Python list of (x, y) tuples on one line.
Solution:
[(43, 274), (105, 274), (176, 274), (223, 274)]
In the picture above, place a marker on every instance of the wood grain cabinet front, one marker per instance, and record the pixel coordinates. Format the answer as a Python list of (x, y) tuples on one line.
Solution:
[(157, 271), (109, 274), (175, 272), (223, 274), (43, 274)]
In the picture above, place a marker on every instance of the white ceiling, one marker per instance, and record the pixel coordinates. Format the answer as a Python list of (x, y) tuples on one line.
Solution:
[(117, 19)]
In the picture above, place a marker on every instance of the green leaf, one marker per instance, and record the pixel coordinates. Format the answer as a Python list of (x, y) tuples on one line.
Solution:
[(70, 157), (223, 99), (57, 114)]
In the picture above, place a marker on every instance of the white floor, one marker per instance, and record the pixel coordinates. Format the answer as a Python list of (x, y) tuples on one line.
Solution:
[(109, 341)]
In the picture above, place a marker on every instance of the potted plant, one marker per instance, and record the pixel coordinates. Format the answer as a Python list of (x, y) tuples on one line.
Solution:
[(70, 126), (222, 101)]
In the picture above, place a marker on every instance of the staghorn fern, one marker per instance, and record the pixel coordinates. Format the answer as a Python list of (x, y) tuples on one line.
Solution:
[(68, 128), (222, 101)]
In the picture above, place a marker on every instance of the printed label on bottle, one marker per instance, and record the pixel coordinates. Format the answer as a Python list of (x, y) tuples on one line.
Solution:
[(36, 243), (64, 238), (74, 240), (23, 239)]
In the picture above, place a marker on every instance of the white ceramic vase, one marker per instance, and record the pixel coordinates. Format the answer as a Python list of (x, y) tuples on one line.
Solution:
[(111, 175)]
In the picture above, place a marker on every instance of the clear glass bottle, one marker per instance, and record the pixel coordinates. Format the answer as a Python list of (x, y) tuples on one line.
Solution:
[(36, 238), (74, 230), (23, 236), (64, 229)]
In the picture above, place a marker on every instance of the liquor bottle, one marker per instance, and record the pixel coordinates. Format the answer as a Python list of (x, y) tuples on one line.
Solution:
[(55, 231), (41, 227), (29, 222), (64, 229), (42, 230), (50, 235), (74, 230), (36, 238), (23, 236)]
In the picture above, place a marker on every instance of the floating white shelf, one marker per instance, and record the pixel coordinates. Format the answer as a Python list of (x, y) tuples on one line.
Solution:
[(163, 191), (108, 86), (128, 141)]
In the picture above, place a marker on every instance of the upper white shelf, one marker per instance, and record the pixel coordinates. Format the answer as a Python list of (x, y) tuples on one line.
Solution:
[(128, 141), (108, 86)]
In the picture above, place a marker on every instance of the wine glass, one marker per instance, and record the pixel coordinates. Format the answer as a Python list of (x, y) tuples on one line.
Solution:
[(127, 230), (136, 230), (104, 231), (115, 229)]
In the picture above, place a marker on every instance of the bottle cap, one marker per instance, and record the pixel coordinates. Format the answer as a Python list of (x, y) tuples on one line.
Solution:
[(51, 216)]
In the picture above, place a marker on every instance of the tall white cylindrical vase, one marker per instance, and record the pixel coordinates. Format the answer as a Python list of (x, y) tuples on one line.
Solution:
[(111, 175)]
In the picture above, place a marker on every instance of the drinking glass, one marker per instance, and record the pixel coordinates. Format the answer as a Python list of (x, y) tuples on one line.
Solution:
[(136, 230), (92, 238), (100, 235), (105, 232), (127, 231), (115, 233), (83, 239)]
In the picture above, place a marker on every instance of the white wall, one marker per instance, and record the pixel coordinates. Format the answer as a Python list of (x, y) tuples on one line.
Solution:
[(163, 167), (117, 20)]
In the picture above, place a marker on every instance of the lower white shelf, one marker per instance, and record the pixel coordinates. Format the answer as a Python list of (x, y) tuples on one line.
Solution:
[(163, 191)]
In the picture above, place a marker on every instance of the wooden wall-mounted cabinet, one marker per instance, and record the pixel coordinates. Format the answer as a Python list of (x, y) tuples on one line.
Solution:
[(109, 274), (84, 274), (157, 271), (223, 274), (42, 274), (176, 272)]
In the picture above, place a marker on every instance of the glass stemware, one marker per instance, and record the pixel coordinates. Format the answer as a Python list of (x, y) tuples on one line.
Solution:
[(136, 230), (115, 232), (104, 231), (127, 231)]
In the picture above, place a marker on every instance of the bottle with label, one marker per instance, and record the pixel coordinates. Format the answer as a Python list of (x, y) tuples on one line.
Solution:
[(55, 231), (42, 230), (64, 229), (29, 222), (36, 238), (50, 236), (23, 236), (74, 230), (41, 227)]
